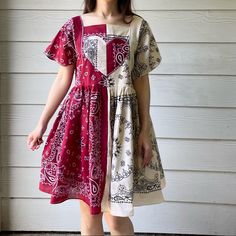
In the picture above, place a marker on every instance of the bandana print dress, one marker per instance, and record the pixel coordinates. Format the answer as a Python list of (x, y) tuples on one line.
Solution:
[(91, 150)]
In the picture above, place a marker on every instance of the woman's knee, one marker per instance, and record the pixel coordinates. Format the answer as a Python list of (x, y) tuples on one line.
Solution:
[(116, 223), (87, 218), (92, 224)]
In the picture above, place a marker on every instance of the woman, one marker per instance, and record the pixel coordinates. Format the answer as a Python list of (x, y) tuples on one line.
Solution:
[(102, 147)]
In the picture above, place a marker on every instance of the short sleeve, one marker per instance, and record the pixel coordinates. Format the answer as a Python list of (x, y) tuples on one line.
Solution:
[(147, 55), (62, 47)]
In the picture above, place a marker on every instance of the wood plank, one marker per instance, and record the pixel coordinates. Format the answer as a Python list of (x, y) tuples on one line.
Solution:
[(196, 155), (180, 58), (25, 156), (26, 88), (194, 91), (29, 215), (167, 26), (32, 23), (169, 122), (185, 5), (166, 90), (201, 123), (161, 218), (138, 4), (183, 186), (187, 218), (29, 121)]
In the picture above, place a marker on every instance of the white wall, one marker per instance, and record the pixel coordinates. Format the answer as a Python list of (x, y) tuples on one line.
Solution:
[(193, 105)]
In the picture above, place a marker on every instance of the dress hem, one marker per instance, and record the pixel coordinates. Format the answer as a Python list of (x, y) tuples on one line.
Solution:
[(48, 189), (139, 199)]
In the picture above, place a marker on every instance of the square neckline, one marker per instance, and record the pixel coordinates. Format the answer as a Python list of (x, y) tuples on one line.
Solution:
[(117, 25)]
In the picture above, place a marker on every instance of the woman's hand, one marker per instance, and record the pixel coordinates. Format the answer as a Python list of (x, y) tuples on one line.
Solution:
[(57, 92), (35, 137), (145, 147)]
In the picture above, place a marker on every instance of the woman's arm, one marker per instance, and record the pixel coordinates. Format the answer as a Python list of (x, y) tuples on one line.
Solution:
[(142, 88), (56, 94)]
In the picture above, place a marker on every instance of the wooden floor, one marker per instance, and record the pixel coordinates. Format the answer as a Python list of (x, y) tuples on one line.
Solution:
[(74, 234), (71, 234), (11, 233)]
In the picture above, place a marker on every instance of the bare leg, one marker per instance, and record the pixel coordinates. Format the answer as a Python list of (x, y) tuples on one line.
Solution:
[(90, 224), (119, 225)]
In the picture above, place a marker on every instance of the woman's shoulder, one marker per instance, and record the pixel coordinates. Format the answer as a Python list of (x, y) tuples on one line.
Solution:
[(75, 17), (138, 17), (139, 21), (73, 21)]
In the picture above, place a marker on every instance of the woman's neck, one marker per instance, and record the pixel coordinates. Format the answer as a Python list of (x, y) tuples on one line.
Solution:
[(106, 9)]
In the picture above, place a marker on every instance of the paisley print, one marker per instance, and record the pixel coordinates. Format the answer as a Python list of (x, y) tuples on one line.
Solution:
[(91, 150), (95, 48)]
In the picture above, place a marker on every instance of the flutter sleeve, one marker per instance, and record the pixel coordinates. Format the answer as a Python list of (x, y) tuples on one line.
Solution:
[(147, 55), (62, 48)]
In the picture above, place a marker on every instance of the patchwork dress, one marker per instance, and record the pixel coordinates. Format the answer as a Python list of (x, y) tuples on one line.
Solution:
[(91, 151)]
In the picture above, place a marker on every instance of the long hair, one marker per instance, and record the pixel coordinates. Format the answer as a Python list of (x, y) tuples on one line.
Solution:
[(124, 7)]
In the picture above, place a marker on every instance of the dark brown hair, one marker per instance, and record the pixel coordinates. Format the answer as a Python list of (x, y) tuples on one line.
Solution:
[(124, 7)]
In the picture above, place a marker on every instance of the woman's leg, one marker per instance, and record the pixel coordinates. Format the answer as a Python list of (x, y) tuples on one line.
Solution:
[(119, 225), (90, 224)]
